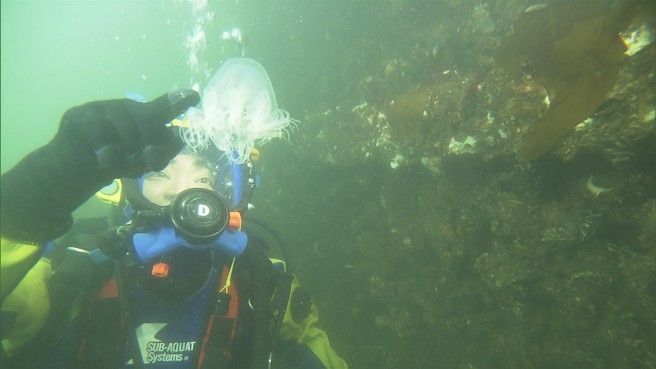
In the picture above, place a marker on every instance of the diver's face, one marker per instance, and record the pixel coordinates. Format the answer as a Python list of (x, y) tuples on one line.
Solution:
[(183, 172)]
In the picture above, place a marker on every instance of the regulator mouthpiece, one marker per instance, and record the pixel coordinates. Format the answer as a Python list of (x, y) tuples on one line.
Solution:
[(199, 215)]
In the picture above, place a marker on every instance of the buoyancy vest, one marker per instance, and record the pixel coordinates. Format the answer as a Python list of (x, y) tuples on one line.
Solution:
[(193, 332)]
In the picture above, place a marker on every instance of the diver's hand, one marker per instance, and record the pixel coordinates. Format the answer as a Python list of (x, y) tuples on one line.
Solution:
[(96, 143), (126, 138)]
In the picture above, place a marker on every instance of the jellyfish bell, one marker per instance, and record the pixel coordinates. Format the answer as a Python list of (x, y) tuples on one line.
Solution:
[(238, 110)]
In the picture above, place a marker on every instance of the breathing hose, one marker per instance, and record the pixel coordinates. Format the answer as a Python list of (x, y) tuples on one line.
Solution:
[(278, 237), (114, 243), (262, 271)]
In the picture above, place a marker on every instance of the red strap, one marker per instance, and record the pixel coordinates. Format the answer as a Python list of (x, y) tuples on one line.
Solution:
[(233, 312), (109, 290)]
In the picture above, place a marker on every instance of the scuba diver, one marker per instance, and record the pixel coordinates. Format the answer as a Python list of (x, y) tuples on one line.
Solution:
[(170, 279)]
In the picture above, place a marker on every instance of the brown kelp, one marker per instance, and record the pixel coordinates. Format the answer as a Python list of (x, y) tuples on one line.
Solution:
[(574, 51), (406, 112)]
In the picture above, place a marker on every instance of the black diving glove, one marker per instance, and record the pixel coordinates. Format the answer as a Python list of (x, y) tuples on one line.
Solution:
[(96, 142)]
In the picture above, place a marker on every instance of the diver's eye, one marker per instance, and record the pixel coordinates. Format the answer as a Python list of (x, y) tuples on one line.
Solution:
[(206, 181), (154, 175)]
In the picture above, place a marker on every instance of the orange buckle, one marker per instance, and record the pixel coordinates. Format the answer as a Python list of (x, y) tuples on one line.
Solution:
[(160, 270), (235, 221)]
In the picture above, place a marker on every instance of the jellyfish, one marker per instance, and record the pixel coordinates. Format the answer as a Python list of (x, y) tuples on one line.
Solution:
[(238, 109)]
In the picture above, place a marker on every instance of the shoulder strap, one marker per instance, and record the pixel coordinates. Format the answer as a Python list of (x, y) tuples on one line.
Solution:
[(220, 332)]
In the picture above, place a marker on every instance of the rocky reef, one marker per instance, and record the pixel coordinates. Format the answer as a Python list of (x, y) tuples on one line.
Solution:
[(443, 249)]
